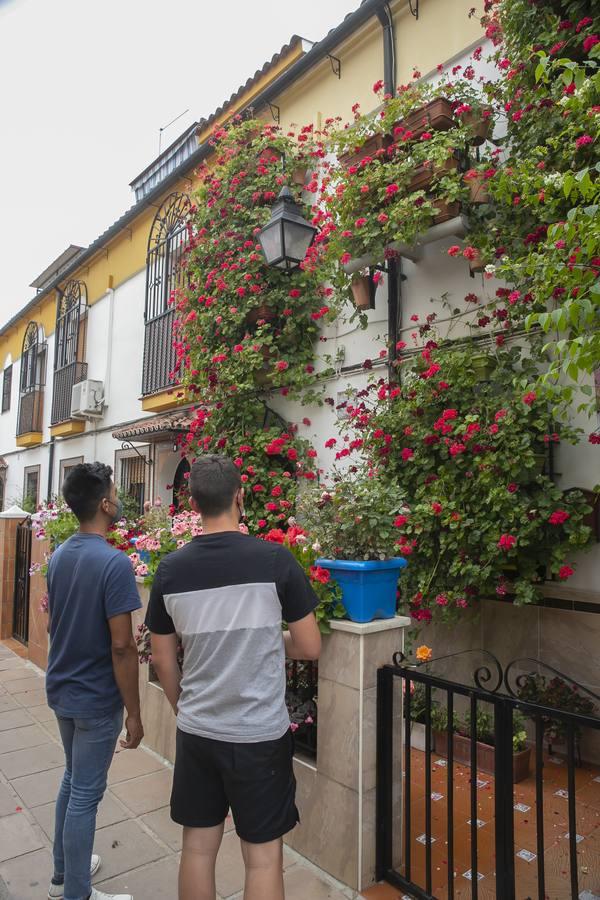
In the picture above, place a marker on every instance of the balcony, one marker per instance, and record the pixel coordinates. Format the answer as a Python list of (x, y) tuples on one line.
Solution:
[(30, 419), (64, 380), (159, 361)]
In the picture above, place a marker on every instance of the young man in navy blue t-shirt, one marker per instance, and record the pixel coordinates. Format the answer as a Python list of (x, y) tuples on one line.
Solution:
[(92, 672)]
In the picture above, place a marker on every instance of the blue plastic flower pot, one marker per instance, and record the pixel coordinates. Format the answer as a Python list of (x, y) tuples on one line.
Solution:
[(144, 555), (368, 587)]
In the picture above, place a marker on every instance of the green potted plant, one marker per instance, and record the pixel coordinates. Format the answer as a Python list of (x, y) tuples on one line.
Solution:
[(485, 740), (353, 523)]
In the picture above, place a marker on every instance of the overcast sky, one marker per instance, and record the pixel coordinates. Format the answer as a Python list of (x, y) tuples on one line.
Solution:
[(85, 86)]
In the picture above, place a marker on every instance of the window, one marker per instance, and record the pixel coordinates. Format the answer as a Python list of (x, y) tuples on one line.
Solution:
[(132, 477), (65, 467), (69, 348), (33, 376), (164, 275), (6, 388), (31, 488)]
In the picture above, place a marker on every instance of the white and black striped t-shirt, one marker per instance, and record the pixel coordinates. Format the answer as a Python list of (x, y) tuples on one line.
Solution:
[(226, 595)]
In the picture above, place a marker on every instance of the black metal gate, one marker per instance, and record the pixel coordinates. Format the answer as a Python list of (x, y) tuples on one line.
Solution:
[(514, 833), (21, 594)]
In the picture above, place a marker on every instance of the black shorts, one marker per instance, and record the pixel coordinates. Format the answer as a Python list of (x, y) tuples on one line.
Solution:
[(256, 780)]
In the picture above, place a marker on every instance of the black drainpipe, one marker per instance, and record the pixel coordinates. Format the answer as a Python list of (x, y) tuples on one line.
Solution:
[(394, 266)]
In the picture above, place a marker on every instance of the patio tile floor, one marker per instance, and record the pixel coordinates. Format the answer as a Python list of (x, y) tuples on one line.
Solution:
[(135, 836), (555, 830)]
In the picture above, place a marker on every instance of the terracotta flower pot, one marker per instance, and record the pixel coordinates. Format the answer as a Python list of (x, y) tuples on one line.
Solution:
[(446, 211), (479, 124), (476, 264), (259, 312), (423, 175), (436, 115), (369, 148), (486, 755), (478, 192), (299, 175), (361, 291)]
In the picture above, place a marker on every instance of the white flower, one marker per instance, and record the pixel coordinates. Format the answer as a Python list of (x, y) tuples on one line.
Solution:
[(490, 270), (316, 547)]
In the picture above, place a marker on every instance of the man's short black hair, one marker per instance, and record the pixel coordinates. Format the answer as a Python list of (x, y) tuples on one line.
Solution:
[(85, 486), (214, 482)]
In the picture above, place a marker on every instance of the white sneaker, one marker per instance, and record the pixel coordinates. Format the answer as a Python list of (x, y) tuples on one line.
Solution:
[(57, 891), (99, 895)]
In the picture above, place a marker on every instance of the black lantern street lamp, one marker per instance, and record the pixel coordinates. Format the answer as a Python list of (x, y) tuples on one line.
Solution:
[(286, 237)]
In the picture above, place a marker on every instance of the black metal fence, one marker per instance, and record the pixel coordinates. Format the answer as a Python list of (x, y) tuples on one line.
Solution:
[(62, 389), (494, 708), (301, 697), (21, 593)]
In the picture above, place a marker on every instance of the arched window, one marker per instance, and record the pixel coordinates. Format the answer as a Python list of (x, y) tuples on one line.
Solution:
[(33, 376), (164, 274), (69, 348)]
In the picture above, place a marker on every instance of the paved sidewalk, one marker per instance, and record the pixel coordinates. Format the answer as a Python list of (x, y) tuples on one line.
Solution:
[(138, 842)]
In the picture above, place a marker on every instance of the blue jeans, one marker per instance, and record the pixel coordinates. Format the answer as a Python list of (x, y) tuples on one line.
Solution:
[(89, 746)]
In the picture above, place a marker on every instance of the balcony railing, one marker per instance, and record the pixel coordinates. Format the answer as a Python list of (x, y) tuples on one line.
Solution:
[(159, 353), (31, 411), (64, 380)]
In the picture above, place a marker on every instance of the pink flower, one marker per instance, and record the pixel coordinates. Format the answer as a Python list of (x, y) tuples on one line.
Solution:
[(281, 365), (407, 454), (529, 398), (378, 86), (565, 572), (559, 516), (436, 508), (583, 23), (454, 250), (590, 42), (392, 189), (583, 141), (294, 726), (399, 521), (512, 487), (507, 542), (360, 222)]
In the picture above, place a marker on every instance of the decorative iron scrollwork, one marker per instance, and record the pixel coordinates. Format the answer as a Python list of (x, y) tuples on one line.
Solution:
[(522, 678)]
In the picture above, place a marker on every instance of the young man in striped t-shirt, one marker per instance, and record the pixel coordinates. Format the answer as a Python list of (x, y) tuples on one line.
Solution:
[(225, 594)]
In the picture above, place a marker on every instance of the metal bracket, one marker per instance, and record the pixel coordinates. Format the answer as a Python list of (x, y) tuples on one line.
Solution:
[(336, 65), (414, 11), (127, 445), (275, 112)]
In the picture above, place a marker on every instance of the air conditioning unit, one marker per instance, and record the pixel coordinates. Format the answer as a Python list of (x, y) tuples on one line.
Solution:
[(87, 400)]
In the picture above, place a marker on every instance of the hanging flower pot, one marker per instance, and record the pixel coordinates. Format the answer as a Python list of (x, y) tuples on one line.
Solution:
[(259, 312), (446, 211), (592, 519), (362, 291), (299, 175), (478, 192), (424, 175), (480, 125), (370, 148), (436, 115), (476, 263), (483, 365)]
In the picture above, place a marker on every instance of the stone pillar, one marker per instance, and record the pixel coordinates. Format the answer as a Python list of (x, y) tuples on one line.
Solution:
[(37, 647), (336, 797)]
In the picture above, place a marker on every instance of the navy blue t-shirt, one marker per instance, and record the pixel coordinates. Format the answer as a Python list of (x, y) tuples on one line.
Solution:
[(89, 582)]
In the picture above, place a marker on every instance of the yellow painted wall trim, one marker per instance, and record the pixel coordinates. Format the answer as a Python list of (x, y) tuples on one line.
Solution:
[(73, 426), (30, 439), (165, 400)]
